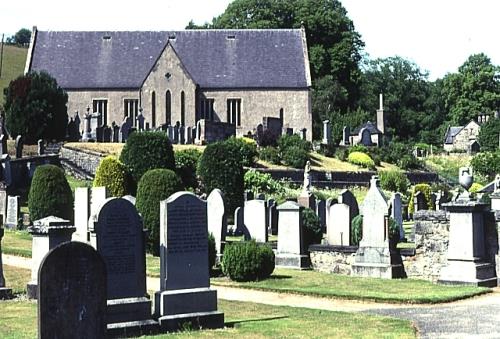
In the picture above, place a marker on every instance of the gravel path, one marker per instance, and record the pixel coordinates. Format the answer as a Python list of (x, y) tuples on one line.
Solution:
[(477, 317)]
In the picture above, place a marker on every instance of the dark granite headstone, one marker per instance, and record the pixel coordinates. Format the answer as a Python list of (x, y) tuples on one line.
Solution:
[(41, 147), (19, 147), (115, 132), (106, 134), (72, 293), (3, 202), (3, 144), (365, 137)]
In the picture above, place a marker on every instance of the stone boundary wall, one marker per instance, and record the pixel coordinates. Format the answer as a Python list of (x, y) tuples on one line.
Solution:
[(85, 160), (342, 178)]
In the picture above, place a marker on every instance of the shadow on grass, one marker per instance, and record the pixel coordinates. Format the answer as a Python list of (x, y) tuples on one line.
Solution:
[(279, 277), (236, 323)]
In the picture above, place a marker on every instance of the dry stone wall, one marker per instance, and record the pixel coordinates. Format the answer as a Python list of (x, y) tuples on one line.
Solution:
[(78, 161)]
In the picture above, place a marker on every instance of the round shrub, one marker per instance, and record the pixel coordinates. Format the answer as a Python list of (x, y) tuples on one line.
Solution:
[(486, 163), (361, 159), (247, 261), (186, 162), (212, 251), (147, 150), (287, 141), (247, 149), (221, 167), (295, 157), (356, 230), (394, 181), (262, 183), (270, 154), (312, 228), (113, 174), (155, 185), (426, 190), (475, 187), (50, 194)]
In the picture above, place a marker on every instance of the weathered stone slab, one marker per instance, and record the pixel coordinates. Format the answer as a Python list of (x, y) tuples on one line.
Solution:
[(396, 206), (185, 293), (72, 293), (82, 214), (255, 216), (12, 219), (291, 252), (339, 226)]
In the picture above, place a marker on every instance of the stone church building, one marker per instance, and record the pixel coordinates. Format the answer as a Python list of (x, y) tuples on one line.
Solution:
[(232, 76)]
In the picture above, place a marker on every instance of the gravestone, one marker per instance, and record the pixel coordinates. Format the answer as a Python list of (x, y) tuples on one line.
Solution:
[(396, 207), (19, 147), (217, 222), (239, 225), (107, 134), (72, 292), (376, 256), (6, 169), (46, 233), (99, 133), (94, 124), (346, 197), (170, 133), (346, 133), (339, 225), (306, 198), (3, 144), (140, 120), (12, 219), (130, 198), (272, 225), (255, 216), (327, 132), (185, 294), (321, 212), (120, 240), (115, 132), (41, 147), (419, 202), (3, 202), (261, 196), (365, 137), (5, 293), (495, 196), (125, 129), (87, 132), (182, 136), (81, 214), (291, 252), (303, 133), (98, 196), (329, 202), (188, 135), (247, 195)]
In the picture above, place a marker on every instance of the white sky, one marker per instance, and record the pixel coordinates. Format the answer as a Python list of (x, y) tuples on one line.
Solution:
[(438, 35)]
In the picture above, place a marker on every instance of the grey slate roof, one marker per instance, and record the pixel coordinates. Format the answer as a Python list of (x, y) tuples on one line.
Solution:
[(451, 133), (372, 128), (253, 59)]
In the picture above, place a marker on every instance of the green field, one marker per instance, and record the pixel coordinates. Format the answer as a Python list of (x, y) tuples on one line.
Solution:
[(14, 60)]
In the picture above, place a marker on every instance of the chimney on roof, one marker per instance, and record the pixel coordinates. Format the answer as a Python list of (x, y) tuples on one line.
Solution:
[(381, 115)]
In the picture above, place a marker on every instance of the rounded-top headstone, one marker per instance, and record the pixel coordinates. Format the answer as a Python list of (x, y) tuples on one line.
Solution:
[(72, 293)]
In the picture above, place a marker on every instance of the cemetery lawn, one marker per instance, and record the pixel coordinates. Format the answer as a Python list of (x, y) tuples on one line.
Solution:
[(320, 284), (244, 320), (74, 183), (16, 278), (17, 243)]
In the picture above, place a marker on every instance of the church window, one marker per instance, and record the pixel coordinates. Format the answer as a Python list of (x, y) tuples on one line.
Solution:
[(183, 109), (101, 106), (234, 111), (131, 109), (153, 109), (207, 109), (168, 108)]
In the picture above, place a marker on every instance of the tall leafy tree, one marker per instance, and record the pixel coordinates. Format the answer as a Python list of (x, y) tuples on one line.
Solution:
[(489, 135), (474, 89), (334, 45), (35, 107), (22, 37)]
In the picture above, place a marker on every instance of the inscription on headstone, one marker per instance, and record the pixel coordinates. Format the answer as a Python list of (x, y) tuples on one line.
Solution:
[(12, 218)]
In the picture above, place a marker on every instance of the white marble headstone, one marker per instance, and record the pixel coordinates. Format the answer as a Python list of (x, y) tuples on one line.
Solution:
[(339, 226), (82, 214), (255, 216), (374, 211), (216, 217)]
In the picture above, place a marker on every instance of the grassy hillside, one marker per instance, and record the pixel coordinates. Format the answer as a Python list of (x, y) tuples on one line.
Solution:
[(14, 60)]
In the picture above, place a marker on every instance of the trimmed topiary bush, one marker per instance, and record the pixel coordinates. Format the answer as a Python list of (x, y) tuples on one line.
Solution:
[(221, 167), (155, 185), (113, 174), (247, 149), (186, 162), (270, 154), (312, 228), (395, 181), (50, 194), (426, 190), (247, 261), (147, 150), (361, 159), (295, 157)]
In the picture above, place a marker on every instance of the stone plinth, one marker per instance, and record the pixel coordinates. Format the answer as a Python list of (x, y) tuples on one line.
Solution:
[(466, 263), (47, 233), (291, 252), (5, 293), (306, 199), (495, 201), (185, 295)]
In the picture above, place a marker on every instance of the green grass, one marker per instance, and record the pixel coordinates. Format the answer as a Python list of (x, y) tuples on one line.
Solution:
[(447, 165), (245, 320), (17, 243), (152, 266), (16, 278), (14, 60), (74, 182), (357, 288)]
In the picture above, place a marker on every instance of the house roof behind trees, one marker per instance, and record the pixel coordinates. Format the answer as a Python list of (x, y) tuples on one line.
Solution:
[(214, 58)]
